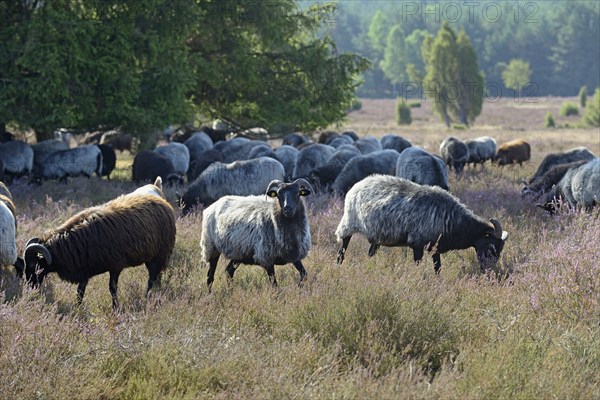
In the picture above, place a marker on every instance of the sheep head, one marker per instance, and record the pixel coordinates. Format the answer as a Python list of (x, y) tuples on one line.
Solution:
[(37, 260), (288, 195), (490, 245)]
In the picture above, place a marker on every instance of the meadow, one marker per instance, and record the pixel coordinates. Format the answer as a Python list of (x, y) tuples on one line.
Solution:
[(380, 327)]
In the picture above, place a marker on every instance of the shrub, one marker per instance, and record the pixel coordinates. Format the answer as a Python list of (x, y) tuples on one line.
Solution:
[(549, 121), (592, 111), (414, 104), (568, 109), (582, 96), (356, 105), (402, 113), (460, 127)]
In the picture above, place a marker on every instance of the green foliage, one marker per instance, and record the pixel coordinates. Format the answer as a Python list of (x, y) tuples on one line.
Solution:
[(393, 64), (453, 77), (591, 117), (356, 105), (402, 112), (378, 31), (459, 127), (568, 109), (582, 96), (549, 120), (516, 74), (414, 104)]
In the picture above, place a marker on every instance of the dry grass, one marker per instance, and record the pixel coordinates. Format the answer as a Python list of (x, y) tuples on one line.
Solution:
[(378, 327)]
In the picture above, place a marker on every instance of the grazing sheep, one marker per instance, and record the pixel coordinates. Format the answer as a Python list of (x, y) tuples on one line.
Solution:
[(310, 158), (515, 151), (148, 165), (83, 160), (119, 141), (545, 182), (325, 175), (8, 231), (261, 151), (368, 145), (202, 161), (197, 144), (579, 187), (422, 167), (358, 168), (294, 140), (392, 211), (17, 157), (179, 155), (257, 230), (327, 136), (455, 153), (287, 156), (109, 160), (395, 142), (352, 134), (42, 150), (240, 178), (128, 231), (481, 149), (237, 148), (576, 154)]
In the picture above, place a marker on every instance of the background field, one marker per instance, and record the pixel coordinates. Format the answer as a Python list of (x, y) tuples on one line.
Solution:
[(378, 327)]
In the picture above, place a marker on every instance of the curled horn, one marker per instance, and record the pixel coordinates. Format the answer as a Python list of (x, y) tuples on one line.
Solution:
[(273, 185), (32, 241), (497, 228), (303, 183), (34, 249)]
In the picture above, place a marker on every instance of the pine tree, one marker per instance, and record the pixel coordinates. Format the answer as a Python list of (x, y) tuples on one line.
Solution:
[(470, 97)]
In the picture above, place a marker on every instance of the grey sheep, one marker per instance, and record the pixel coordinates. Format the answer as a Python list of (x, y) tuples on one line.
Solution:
[(368, 145), (481, 149), (197, 144), (394, 142), (178, 153), (130, 230), (8, 231), (83, 160), (422, 167), (287, 156), (17, 157), (325, 175), (258, 230), (311, 157), (455, 153), (358, 168), (294, 140), (579, 187), (263, 150), (352, 134), (392, 211), (240, 178), (43, 149), (237, 148), (576, 154), (545, 182), (340, 141)]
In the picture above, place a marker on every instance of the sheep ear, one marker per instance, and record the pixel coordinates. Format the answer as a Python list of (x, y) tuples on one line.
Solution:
[(158, 182)]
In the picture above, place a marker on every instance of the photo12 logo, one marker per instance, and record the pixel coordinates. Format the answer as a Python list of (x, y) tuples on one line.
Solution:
[(468, 11)]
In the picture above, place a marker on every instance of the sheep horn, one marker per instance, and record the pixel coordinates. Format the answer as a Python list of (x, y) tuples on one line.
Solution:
[(32, 241), (303, 183), (35, 249), (274, 184), (497, 228)]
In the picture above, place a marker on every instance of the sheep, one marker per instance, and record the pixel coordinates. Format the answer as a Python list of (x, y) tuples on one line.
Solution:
[(109, 160), (8, 232), (579, 187), (422, 167), (455, 153), (352, 134), (481, 149), (240, 178), (545, 182), (325, 175), (576, 154), (311, 157), (392, 211), (153, 189), (179, 155), (341, 141), (395, 142), (358, 168), (237, 148), (327, 136), (119, 141), (287, 156), (128, 231), (294, 139), (197, 144), (147, 165), (17, 157), (261, 151), (514, 151), (202, 161), (256, 230), (368, 145), (43, 149), (62, 164)]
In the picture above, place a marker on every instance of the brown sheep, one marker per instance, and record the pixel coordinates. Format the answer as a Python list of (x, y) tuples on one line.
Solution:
[(130, 230), (515, 151)]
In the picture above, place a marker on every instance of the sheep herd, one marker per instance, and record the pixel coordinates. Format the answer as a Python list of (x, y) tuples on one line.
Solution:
[(395, 194)]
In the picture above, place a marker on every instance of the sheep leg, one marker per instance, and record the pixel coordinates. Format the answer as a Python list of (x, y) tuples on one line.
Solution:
[(417, 254), (373, 249), (154, 267), (112, 287), (271, 273), (211, 271), (437, 262), (230, 269), (340, 256), (81, 291), (301, 270)]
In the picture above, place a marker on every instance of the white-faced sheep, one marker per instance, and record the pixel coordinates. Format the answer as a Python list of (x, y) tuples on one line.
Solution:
[(179, 155), (481, 149), (455, 153), (240, 178), (62, 164), (358, 168), (258, 230), (579, 187), (422, 167), (392, 211), (130, 230)]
